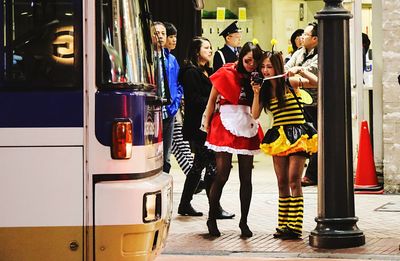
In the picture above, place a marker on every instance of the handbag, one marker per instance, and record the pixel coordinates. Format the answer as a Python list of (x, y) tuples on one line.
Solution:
[(307, 116)]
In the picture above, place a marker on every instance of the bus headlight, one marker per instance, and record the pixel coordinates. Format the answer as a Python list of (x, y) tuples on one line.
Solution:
[(151, 206)]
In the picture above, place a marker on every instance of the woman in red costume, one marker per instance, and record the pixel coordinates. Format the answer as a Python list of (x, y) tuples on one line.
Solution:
[(231, 129)]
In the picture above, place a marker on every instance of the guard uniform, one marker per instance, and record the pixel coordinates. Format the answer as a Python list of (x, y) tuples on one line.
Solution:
[(226, 54)]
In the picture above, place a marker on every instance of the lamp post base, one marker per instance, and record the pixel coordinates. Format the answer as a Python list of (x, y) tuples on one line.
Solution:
[(336, 233)]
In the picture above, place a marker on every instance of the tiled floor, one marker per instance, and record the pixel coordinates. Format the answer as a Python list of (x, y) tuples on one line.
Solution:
[(188, 235)]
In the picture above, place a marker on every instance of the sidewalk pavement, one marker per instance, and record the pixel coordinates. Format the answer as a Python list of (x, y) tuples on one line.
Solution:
[(236, 258), (378, 215)]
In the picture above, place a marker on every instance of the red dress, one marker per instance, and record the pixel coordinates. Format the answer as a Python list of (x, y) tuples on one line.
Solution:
[(232, 128)]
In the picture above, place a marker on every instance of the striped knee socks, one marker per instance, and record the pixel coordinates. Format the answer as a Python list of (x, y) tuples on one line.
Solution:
[(295, 214)]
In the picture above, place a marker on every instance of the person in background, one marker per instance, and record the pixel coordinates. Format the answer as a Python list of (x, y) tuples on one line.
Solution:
[(290, 141), (229, 53), (180, 148), (365, 43), (306, 58), (194, 76), (296, 41), (232, 130), (172, 36), (170, 88)]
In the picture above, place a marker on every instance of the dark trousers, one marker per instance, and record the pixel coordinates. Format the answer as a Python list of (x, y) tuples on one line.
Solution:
[(312, 168), (168, 129)]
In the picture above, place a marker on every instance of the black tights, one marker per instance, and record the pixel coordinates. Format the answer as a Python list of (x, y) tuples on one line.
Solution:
[(224, 161), (203, 158)]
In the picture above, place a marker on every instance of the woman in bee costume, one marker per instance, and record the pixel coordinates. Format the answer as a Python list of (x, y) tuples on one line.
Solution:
[(289, 141)]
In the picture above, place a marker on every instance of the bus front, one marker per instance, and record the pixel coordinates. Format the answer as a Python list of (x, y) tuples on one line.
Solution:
[(130, 198)]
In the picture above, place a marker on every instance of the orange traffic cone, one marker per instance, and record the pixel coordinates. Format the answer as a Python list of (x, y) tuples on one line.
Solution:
[(366, 174)]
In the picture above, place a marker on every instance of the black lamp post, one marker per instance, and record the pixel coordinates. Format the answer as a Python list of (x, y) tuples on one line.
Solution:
[(336, 221)]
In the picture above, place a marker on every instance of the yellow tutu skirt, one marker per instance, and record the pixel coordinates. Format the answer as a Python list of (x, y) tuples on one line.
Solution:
[(288, 139)]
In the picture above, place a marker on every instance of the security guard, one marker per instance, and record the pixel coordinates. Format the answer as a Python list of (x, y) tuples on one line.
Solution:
[(229, 53)]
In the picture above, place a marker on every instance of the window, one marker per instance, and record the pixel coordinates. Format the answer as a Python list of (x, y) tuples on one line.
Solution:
[(125, 52), (41, 44)]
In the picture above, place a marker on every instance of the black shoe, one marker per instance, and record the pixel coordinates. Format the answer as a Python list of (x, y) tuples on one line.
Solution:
[(279, 233), (244, 228), (212, 228), (222, 214), (188, 210), (288, 234), (200, 187), (306, 181)]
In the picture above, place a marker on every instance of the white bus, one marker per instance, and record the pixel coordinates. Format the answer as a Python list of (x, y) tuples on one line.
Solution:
[(80, 133)]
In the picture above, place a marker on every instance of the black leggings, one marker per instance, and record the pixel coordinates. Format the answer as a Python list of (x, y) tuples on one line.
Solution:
[(203, 158), (224, 161)]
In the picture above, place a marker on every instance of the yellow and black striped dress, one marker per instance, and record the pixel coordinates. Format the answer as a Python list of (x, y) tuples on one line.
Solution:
[(289, 134)]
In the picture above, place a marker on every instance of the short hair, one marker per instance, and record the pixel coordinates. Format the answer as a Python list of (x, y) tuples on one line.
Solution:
[(295, 34), (158, 23), (365, 41), (170, 28), (314, 31)]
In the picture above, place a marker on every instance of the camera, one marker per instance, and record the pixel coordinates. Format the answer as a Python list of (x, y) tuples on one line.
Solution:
[(256, 78)]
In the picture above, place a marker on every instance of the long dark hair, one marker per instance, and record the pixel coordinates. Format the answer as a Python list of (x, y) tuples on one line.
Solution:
[(266, 90), (193, 51), (257, 54), (248, 47)]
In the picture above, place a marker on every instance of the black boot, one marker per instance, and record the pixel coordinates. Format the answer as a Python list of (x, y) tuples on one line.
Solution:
[(222, 214), (188, 210), (185, 208)]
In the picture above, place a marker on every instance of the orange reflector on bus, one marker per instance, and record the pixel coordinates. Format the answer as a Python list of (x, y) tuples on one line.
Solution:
[(121, 145)]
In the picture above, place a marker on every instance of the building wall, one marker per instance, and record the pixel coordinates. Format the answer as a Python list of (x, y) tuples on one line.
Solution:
[(212, 5), (261, 13), (391, 94), (314, 6)]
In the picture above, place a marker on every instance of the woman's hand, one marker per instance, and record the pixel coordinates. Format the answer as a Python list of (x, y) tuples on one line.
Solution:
[(256, 87), (205, 123), (256, 106), (207, 115)]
